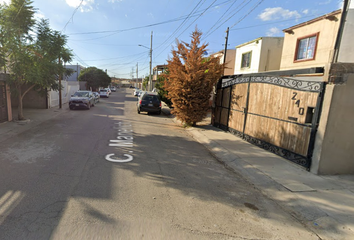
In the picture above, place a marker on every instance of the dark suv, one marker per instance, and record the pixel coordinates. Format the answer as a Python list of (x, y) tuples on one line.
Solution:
[(82, 99), (149, 102)]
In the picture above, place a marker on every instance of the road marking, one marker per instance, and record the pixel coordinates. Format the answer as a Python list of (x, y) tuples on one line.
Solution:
[(129, 158), (124, 140)]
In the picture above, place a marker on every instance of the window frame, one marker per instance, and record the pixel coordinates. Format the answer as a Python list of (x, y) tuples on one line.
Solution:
[(250, 59), (298, 45)]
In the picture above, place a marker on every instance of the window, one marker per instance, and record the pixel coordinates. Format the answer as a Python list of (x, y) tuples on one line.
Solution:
[(246, 60), (306, 48)]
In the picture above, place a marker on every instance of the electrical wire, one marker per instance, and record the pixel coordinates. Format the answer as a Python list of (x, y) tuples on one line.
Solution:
[(254, 7), (72, 16), (222, 16)]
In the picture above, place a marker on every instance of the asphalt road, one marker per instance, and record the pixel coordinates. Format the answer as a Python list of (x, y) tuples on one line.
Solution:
[(56, 182)]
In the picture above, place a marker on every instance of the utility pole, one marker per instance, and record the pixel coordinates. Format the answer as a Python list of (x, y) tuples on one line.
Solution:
[(137, 76), (150, 80), (226, 40), (60, 102)]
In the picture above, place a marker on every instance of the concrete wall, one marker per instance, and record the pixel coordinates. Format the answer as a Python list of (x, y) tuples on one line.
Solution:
[(69, 88), (346, 51), (334, 146), (271, 51), (327, 30), (32, 99)]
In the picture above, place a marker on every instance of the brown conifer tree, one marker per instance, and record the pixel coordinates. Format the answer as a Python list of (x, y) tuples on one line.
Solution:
[(190, 79)]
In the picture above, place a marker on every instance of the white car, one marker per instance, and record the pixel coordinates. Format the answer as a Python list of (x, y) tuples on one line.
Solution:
[(104, 93), (108, 90), (136, 92)]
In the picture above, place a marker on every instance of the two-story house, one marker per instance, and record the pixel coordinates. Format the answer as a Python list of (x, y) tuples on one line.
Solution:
[(259, 55)]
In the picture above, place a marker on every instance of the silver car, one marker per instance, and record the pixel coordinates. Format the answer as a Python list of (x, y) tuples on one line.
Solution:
[(82, 99)]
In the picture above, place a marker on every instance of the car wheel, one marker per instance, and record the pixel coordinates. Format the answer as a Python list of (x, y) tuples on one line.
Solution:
[(71, 108), (89, 106), (138, 110), (159, 112)]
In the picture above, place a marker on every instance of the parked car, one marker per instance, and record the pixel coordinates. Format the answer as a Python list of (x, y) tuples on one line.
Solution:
[(114, 89), (136, 92), (104, 93), (82, 99), (140, 93), (97, 97), (149, 102), (108, 90)]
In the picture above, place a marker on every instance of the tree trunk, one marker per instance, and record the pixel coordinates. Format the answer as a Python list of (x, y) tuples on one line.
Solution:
[(20, 98), (20, 106)]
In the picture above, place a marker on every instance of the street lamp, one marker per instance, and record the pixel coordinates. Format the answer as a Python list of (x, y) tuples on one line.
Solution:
[(150, 82)]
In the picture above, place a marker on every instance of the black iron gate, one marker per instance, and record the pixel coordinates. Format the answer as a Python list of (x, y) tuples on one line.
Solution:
[(276, 113)]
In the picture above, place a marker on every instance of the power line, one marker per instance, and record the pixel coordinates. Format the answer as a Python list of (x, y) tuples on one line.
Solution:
[(229, 17), (188, 26), (254, 7), (180, 26), (221, 17), (72, 16), (146, 26)]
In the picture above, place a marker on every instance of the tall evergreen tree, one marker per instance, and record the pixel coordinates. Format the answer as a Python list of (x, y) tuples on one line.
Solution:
[(190, 79)]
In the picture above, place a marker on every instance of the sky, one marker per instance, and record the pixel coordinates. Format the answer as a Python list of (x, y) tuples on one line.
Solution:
[(107, 33)]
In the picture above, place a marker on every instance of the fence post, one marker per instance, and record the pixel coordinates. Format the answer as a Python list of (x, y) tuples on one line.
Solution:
[(314, 125), (228, 113), (245, 109)]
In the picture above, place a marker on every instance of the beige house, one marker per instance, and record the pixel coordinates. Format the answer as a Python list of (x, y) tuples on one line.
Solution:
[(326, 42), (310, 44), (259, 55), (230, 60)]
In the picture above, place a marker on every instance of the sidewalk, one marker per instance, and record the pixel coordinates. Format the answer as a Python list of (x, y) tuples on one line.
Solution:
[(33, 118), (325, 204)]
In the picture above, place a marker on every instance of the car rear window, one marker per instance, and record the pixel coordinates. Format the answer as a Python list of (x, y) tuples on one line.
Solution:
[(81, 94), (151, 98), (103, 90)]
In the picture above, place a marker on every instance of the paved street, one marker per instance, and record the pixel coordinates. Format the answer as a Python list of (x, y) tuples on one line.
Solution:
[(55, 182)]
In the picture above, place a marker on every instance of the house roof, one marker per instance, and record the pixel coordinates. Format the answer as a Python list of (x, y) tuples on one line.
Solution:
[(160, 67), (330, 16), (254, 40)]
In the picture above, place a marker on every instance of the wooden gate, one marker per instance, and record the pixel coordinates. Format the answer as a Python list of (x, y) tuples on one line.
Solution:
[(276, 113)]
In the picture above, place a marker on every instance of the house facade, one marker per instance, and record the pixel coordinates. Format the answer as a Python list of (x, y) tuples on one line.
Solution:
[(76, 72), (305, 108), (259, 55), (230, 60), (310, 44)]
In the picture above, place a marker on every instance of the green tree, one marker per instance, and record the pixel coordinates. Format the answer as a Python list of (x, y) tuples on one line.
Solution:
[(146, 82), (160, 86), (30, 52), (190, 79), (95, 78)]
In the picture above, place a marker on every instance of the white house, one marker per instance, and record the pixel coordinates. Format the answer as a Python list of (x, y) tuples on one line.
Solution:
[(259, 55)]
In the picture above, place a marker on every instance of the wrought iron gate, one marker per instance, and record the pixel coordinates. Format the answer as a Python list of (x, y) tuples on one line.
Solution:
[(276, 113)]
